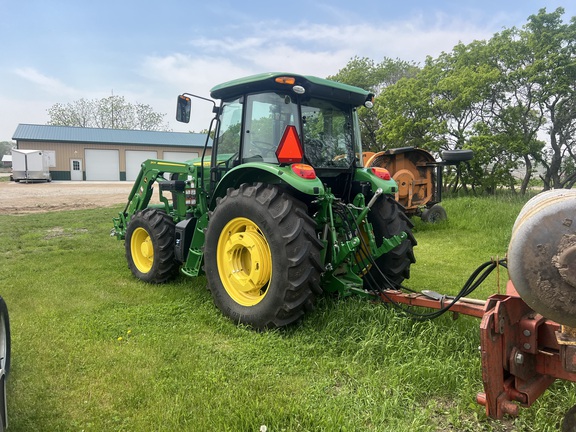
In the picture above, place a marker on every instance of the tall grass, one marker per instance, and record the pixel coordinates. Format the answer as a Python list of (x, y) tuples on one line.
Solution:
[(94, 349)]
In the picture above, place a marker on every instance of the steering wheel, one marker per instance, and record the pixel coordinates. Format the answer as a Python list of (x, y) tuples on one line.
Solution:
[(227, 162)]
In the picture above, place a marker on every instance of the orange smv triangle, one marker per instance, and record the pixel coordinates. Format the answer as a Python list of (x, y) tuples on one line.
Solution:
[(290, 149)]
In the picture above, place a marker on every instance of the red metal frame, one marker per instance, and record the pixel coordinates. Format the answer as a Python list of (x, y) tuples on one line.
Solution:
[(523, 353)]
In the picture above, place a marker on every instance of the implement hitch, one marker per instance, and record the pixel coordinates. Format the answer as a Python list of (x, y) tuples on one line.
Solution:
[(523, 353)]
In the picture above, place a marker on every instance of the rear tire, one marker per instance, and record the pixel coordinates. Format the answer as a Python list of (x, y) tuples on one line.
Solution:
[(569, 420), (387, 220), (150, 246), (262, 257), (434, 214)]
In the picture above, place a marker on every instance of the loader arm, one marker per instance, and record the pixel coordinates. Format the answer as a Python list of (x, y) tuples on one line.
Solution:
[(182, 185)]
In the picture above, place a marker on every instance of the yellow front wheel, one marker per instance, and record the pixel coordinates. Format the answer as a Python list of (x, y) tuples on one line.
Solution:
[(150, 246), (142, 250)]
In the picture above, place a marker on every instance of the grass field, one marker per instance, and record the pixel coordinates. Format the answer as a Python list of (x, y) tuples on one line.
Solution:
[(94, 349)]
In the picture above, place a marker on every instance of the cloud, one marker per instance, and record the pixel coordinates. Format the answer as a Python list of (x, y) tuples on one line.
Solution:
[(311, 49), (176, 73), (191, 71), (17, 110), (323, 49), (317, 49), (44, 82)]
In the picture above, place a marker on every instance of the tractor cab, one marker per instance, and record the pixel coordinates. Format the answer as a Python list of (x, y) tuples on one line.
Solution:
[(280, 119)]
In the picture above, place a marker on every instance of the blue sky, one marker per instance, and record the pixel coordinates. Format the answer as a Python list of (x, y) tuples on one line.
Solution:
[(58, 51)]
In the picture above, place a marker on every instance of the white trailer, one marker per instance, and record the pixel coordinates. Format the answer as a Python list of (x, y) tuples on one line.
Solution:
[(30, 165)]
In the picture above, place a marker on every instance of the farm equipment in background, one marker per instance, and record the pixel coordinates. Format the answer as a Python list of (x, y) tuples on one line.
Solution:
[(419, 177), (286, 209)]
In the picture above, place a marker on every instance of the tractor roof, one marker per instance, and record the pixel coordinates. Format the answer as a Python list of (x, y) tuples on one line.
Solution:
[(314, 86)]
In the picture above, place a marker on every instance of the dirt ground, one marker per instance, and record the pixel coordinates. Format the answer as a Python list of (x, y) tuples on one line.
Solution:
[(23, 198)]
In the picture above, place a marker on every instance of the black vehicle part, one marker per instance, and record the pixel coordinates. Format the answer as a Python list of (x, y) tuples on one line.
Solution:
[(457, 155), (388, 220), (183, 233), (436, 213)]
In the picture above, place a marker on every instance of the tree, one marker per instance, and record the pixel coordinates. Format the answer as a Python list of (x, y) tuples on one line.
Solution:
[(553, 47), (536, 95), (6, 147), (365, 73), (113, 112), (441, 108), (501, 98)]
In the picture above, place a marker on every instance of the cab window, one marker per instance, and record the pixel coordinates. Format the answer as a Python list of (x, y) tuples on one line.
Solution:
[(267, 115), (328, 134)]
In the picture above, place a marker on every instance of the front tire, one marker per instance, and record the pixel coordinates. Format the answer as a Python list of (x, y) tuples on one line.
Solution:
[(150, 246), (5, 345), (392, 268), (5, 352), (262, 257)]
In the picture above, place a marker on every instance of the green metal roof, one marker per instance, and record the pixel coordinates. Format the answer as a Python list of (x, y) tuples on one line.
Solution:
[(318, 87), (33, 132)]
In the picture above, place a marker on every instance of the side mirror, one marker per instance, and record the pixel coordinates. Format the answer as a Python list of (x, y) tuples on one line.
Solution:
[(183, 107)]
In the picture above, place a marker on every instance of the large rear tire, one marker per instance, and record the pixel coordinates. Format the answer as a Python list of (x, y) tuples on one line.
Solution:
[(150, 246), (392, 268), (262, 257)]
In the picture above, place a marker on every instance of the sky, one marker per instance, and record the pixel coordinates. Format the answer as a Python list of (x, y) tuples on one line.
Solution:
[(60, 51)]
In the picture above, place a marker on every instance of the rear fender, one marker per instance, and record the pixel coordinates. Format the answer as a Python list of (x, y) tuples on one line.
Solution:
[(389, 187), (254, 172)]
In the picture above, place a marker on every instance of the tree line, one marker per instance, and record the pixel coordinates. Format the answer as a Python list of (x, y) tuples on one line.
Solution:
[(511, 99), (112, 112)]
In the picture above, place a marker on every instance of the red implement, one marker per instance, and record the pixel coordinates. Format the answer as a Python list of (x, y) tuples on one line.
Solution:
[(523, 353)]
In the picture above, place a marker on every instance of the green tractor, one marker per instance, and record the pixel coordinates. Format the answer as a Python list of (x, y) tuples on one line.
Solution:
[(278, 209)]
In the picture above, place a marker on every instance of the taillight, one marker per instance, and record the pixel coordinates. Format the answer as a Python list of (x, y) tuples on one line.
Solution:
[(290, 149), (382, 173), (304, 171)]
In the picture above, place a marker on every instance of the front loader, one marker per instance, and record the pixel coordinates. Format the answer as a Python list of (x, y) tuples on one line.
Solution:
[(280, 211)]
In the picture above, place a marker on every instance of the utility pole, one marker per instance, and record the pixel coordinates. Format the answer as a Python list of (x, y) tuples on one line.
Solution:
[(112, 104)]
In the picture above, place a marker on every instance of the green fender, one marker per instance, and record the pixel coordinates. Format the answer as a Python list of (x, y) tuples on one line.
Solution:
[(389, 187), (253, 172)]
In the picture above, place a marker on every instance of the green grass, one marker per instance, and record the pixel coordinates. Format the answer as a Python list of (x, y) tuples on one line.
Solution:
[(96, 350)]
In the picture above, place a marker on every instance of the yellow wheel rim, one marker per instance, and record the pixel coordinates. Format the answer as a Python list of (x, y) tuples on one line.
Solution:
[(244, 261), (142, 250)]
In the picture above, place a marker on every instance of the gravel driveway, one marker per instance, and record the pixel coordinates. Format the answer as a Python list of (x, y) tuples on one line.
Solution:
[(22, 198)]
